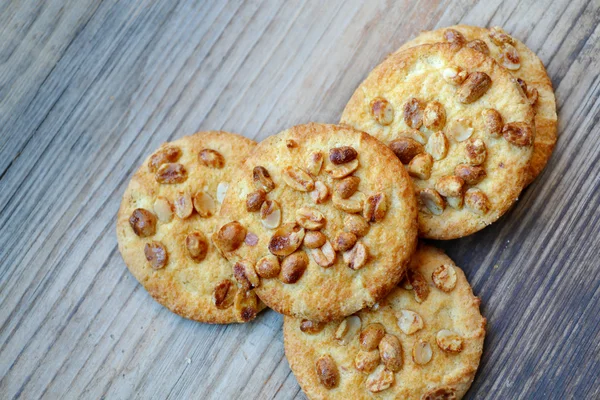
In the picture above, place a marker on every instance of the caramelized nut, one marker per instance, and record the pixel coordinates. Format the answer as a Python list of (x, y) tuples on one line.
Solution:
[(356, 224), (211, 158), (347, 186), (480, 46), (251, 239), (342, 170), (510, 58), (204, 204), (440, 394), (291, 144), (413, 134), (454, 75), (444, 278), (390, 350), (477, 201), (405, 149), (293, 267), (449, 341), (156, 254), (163, 209), (450, 186), (438, 146), (342, 155), (143, 222), (230, 237), (532, 95), (499, 37), (268, 267), (184, 207), (469, 173), (409, 322), (422, 352), (518, 133), (286, 239), (315, 163), (420, 166), (221, 191), (197, 246), (454, 37), (492, 122), (246, 275), (348, 329), (321, 193), (366, 361), (357, 257), (314, 239), (246, 305), (431, 199), (382, 111), (344, 241), (455, 202), (353, 204), (476, 151), (380, 379), (420, 287), (311, 327), (262, 179), (434, 116), (164, 155), (297, 179), (371, 336), (171, 173), (310, 218), (224, 294), (413, 113), (327, 371), (324, 256), (255, 200), (460, 129), (270, 214), (475, 86), (375, 207)]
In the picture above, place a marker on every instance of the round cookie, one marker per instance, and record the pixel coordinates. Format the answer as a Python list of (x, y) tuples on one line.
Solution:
[(424, 341), (167, 216), (526, 67), (333, 217), (461, 125)]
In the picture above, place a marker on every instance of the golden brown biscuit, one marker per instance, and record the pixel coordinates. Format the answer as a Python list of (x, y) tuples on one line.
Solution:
[(167, 216), (461, 125), (526, 66), (422, 342), (333, 214)]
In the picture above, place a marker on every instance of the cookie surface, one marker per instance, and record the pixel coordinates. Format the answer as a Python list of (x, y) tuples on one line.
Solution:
[(419, 343), (529, 69), (459, 123), (333, 217), (167, 215)]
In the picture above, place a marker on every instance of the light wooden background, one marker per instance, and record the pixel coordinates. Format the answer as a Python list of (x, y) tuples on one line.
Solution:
[(88, 88)]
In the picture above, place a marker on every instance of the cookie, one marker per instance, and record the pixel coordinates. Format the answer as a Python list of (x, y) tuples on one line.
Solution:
[(332, 214), (169, 212), (523, 64), (424, 341), (460, 124)]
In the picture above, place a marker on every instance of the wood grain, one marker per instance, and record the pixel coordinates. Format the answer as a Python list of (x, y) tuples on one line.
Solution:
[(88, 88)]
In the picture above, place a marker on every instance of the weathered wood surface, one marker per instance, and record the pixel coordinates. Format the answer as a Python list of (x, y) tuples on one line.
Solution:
[(88, 88)]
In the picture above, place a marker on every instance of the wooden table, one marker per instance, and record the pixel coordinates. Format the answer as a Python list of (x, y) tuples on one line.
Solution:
[(89, 88)]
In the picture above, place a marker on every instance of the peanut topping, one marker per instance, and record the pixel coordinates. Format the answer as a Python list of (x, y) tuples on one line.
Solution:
[(224, 294), (156, 254), (449, 341), (270, 214), (315, 163), (268, 267), (324, 256), (420, 166), (413, 134), (342, 155), (356, 224), (499, 37), (321, 193), (375, 207), (454, 75), (440, 394), (492, 122), (409, 322), (371, 336), (311, 327), (405, 149), (327, 371), (262, 179), (143, 222), (419, 284), (460, 129), (390, 351), (450, 186), (366, 361), (293, 267), (444, 278), (221, 191), (211, 158), (455, 202), (184, 206), (455, 37), (475, 86), (469, 173), (286, 239), (510, 58), (433, 202), (480, 46), (353, 204), (422, 352), (246, 305), (251, 239), (245, 274), (230, 237), (380, 379), (357, 257), (204, 204), (171, 173), (344, 241), (518, 133), (413, 113), (438, 146), (475, 151), (347, 186), (163, 209), (197, 246), (166, 154), (477, 201), (314, 239), (342, 170), (532, 95), (310, 218), (434, 116), (382, 111), (255, 200), (348, 329), (291, 144), (298, 179)]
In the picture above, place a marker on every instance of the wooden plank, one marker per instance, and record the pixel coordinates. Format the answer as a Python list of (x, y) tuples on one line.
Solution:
[(89, 88)]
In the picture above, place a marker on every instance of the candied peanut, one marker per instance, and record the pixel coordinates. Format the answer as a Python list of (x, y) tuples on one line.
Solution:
[(477, 201), (156, 254), (499, 37), (492, 122), (475, 86), (380, 379), (454, 75), (255, 200), (347, 187), (431, 199), (342, 155), (413, 134), (375, 207), (353, 204), (298, 179), (314, 239), (221, 191), (171, 173), (293, 267), (356, 224), (438, 146), (422, 352), (197, 246), (310, 218), (342, 170), (184, 206), (344, 241), (311, 327), (471, 174), (390, 350), (286, 239), (163, 209), (454, 37), (211, 158), (204, 204), (246, 305), (444, 278), (450, 186), (224, 294), (229, 237), (324, 256), (409, 322), (440, 394), (270, 214), (413, 113), (434, 116), (510, 58), (382, 111), (518, 133), (367, 361), (532, 95), (371, 336), (143, 222), (268, 267), (420, 166), (262, 179), (449, 341), (327, 372), (164, 155), (291, 144), (475, 151), (348, 329), (321, 193), (406, 149), (315, 163), (251, 239), (245, 274), (480, 46), (419, 284), (357, 257)]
